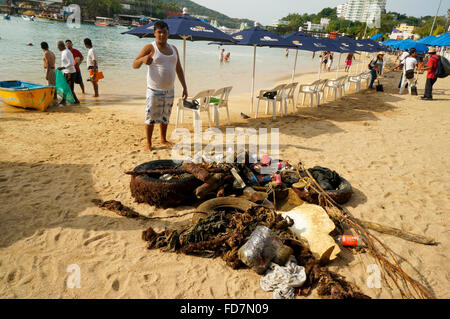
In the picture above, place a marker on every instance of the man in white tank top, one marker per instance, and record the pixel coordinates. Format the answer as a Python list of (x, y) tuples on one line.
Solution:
[(163, 63)]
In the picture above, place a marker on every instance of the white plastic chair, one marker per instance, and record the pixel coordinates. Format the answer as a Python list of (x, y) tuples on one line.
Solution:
[(222, 95), (355, 78), (337, 85), (321, 91), (288, 95), (310, 89), (203, 98), (279, 89), (365, 76)]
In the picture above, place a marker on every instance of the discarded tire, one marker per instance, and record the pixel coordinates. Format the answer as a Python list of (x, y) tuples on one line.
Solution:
[(215, 204), (341, 195), (163, 193)]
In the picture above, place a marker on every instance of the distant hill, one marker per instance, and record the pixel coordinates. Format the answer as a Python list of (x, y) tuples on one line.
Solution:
[(196, 9)]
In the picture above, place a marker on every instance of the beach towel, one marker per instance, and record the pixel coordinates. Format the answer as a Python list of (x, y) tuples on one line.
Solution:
[(63, 88)]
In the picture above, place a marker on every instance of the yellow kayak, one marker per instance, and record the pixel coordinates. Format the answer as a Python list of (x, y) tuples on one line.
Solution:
[(27, 95)]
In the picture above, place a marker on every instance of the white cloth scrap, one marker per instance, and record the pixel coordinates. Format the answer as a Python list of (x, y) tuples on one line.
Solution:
[(283, 279)]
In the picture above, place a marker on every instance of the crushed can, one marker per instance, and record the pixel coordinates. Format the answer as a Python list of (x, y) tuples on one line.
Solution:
[(265, 160)]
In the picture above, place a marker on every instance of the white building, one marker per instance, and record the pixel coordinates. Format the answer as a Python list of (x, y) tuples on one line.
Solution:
[(368, 11), (309, 26)]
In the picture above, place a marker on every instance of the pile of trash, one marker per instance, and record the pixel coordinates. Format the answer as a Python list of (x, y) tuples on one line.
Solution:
[(238, 220), (260, 239), (166, 184)]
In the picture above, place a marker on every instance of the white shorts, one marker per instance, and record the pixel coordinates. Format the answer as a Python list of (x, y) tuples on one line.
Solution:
[(158, 106)]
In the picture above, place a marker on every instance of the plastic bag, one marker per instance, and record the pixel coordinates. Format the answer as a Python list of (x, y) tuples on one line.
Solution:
[(258, 252)]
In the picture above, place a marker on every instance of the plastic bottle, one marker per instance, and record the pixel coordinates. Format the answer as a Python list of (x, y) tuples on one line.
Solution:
[(349, 241)]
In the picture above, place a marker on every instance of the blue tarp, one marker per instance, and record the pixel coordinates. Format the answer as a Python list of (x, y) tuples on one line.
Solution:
[(441, 41), (376, 37)]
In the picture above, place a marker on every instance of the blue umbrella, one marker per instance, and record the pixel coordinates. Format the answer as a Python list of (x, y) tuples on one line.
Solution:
[(184, 27), (302, 41), (258, 37)]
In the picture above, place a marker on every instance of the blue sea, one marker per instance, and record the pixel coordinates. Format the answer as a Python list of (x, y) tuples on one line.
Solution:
[(116, 52)]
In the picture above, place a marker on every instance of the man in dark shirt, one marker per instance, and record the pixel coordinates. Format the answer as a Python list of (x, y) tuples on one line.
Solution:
[(431, 77), (78, 57)]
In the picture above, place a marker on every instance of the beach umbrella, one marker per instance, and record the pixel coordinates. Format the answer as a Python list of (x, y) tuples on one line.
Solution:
[(301, 41), (184, 27), (258, 37)]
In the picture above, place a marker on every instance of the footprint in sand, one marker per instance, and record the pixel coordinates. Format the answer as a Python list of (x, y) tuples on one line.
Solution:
[(115, 285), (95, 238)]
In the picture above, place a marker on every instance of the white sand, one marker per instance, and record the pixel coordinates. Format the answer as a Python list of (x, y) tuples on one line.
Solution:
[(393, 149)]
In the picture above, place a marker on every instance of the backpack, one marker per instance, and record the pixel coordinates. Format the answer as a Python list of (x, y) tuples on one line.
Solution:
[(443, 68)]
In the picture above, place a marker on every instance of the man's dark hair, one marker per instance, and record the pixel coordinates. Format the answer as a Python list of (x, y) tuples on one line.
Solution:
[(44, 45), (412, 50), (161, 25), (68, 41), (88, 41)]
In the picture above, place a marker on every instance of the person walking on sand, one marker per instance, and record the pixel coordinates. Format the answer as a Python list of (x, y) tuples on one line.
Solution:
[(68, 69), (78, 57), (227, 57), (374, 66), (324, 57), (350, 58), (221, 56), (330, 61), (409, 66), (431, 77), (163, 64), (49, 65), (92, 64)]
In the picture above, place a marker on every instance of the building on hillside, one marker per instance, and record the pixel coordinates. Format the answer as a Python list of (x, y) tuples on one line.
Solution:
[(403, 27), (404, 34), (309, 26), (325, 22), (277, 23), (368, 11)]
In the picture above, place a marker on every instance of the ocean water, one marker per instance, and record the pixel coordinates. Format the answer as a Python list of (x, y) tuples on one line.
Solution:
[(117, 51)]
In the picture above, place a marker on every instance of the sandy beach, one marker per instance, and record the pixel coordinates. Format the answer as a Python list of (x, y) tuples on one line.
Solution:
[(393, 149)]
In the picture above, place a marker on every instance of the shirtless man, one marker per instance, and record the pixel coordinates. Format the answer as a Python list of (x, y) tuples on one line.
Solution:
[(163, 63), (49, 65)]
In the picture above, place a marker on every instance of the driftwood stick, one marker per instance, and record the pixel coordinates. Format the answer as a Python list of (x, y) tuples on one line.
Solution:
[(157, 171), (398, 233), (198, 171), (216, 180)]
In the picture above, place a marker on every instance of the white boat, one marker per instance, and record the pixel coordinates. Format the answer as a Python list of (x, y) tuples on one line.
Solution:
[(27, 18)]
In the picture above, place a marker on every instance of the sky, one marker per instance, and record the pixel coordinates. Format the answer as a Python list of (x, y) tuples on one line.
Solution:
[(268, 11)]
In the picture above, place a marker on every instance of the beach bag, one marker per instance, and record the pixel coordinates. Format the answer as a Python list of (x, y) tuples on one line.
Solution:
[(379, 87), (443, 68), (409, 74), (98, 76), (270, 95), (414, 90), (63, 88)]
